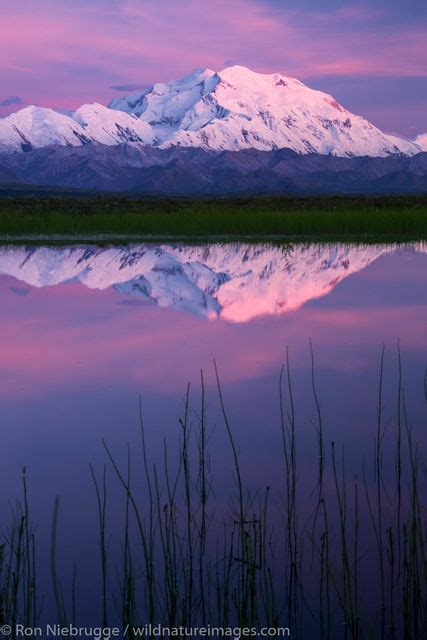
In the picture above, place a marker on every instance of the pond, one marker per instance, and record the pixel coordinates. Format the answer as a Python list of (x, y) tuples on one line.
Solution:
[(93, 337)]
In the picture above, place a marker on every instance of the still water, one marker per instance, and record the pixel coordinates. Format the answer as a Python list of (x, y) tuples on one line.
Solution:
[(87, 331)]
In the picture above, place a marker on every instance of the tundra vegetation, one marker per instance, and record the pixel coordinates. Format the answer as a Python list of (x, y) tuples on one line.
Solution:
[(322, 216)]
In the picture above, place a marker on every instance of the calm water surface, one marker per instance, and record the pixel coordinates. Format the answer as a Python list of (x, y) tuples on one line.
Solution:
[(85, 330)]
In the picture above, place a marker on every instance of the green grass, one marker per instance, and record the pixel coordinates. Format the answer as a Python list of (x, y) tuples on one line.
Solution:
[(263, 216)]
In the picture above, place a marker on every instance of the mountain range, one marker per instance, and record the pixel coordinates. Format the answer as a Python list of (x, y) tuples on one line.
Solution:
[(210, 132), (131, 168), (234, 282)]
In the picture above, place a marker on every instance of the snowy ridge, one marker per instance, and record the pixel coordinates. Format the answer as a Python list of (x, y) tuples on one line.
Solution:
[(234, 282), (36, 127), (233, 109), (421, 141), (112, 127)]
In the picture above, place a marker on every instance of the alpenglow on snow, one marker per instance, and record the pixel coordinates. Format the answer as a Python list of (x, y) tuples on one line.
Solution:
[(234, 282), (233, 109)]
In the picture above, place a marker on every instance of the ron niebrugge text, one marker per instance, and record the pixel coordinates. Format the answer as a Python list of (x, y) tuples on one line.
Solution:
[(145, 631)]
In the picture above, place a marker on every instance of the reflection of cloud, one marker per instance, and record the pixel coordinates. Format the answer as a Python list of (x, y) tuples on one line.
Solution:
[(20, 291), (136, 303)]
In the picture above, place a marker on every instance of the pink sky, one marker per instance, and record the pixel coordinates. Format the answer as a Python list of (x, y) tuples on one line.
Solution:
[(61, 54)]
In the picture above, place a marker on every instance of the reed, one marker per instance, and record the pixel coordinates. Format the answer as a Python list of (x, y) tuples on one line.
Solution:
[(185, 558)]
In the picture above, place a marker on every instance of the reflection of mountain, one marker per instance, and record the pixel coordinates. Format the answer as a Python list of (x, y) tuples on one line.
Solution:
[(234, 281)]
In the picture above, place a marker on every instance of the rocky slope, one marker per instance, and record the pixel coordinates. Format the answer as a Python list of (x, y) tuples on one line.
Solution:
[(188, 171)]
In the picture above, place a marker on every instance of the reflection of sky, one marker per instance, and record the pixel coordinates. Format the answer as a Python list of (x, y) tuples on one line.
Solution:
[(61, 54), (73, 361), (54, 336)]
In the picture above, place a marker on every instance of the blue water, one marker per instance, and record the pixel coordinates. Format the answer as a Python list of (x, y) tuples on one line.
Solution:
[(75, 360)]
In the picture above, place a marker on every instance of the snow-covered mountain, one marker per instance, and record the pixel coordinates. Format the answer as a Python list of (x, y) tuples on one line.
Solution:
[(421, 141), (235, 282), (109, 127), (233, 109), (239, 109), (36, 127)]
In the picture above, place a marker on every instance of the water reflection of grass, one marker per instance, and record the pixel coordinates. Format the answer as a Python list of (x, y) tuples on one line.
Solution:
[(349, 563), (345, 215)]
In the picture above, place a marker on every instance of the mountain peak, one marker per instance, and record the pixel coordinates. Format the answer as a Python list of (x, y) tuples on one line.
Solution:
[(34, 111), (238, 108), (241, 73), (233, 109), (239, 70), (197, 75), (33, 127)]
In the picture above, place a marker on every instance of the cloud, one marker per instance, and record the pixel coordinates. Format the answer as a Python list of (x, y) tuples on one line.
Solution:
[(11, 100), (128, 87)]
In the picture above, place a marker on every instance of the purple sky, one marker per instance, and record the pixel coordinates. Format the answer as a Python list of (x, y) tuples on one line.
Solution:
[(371, 56)]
